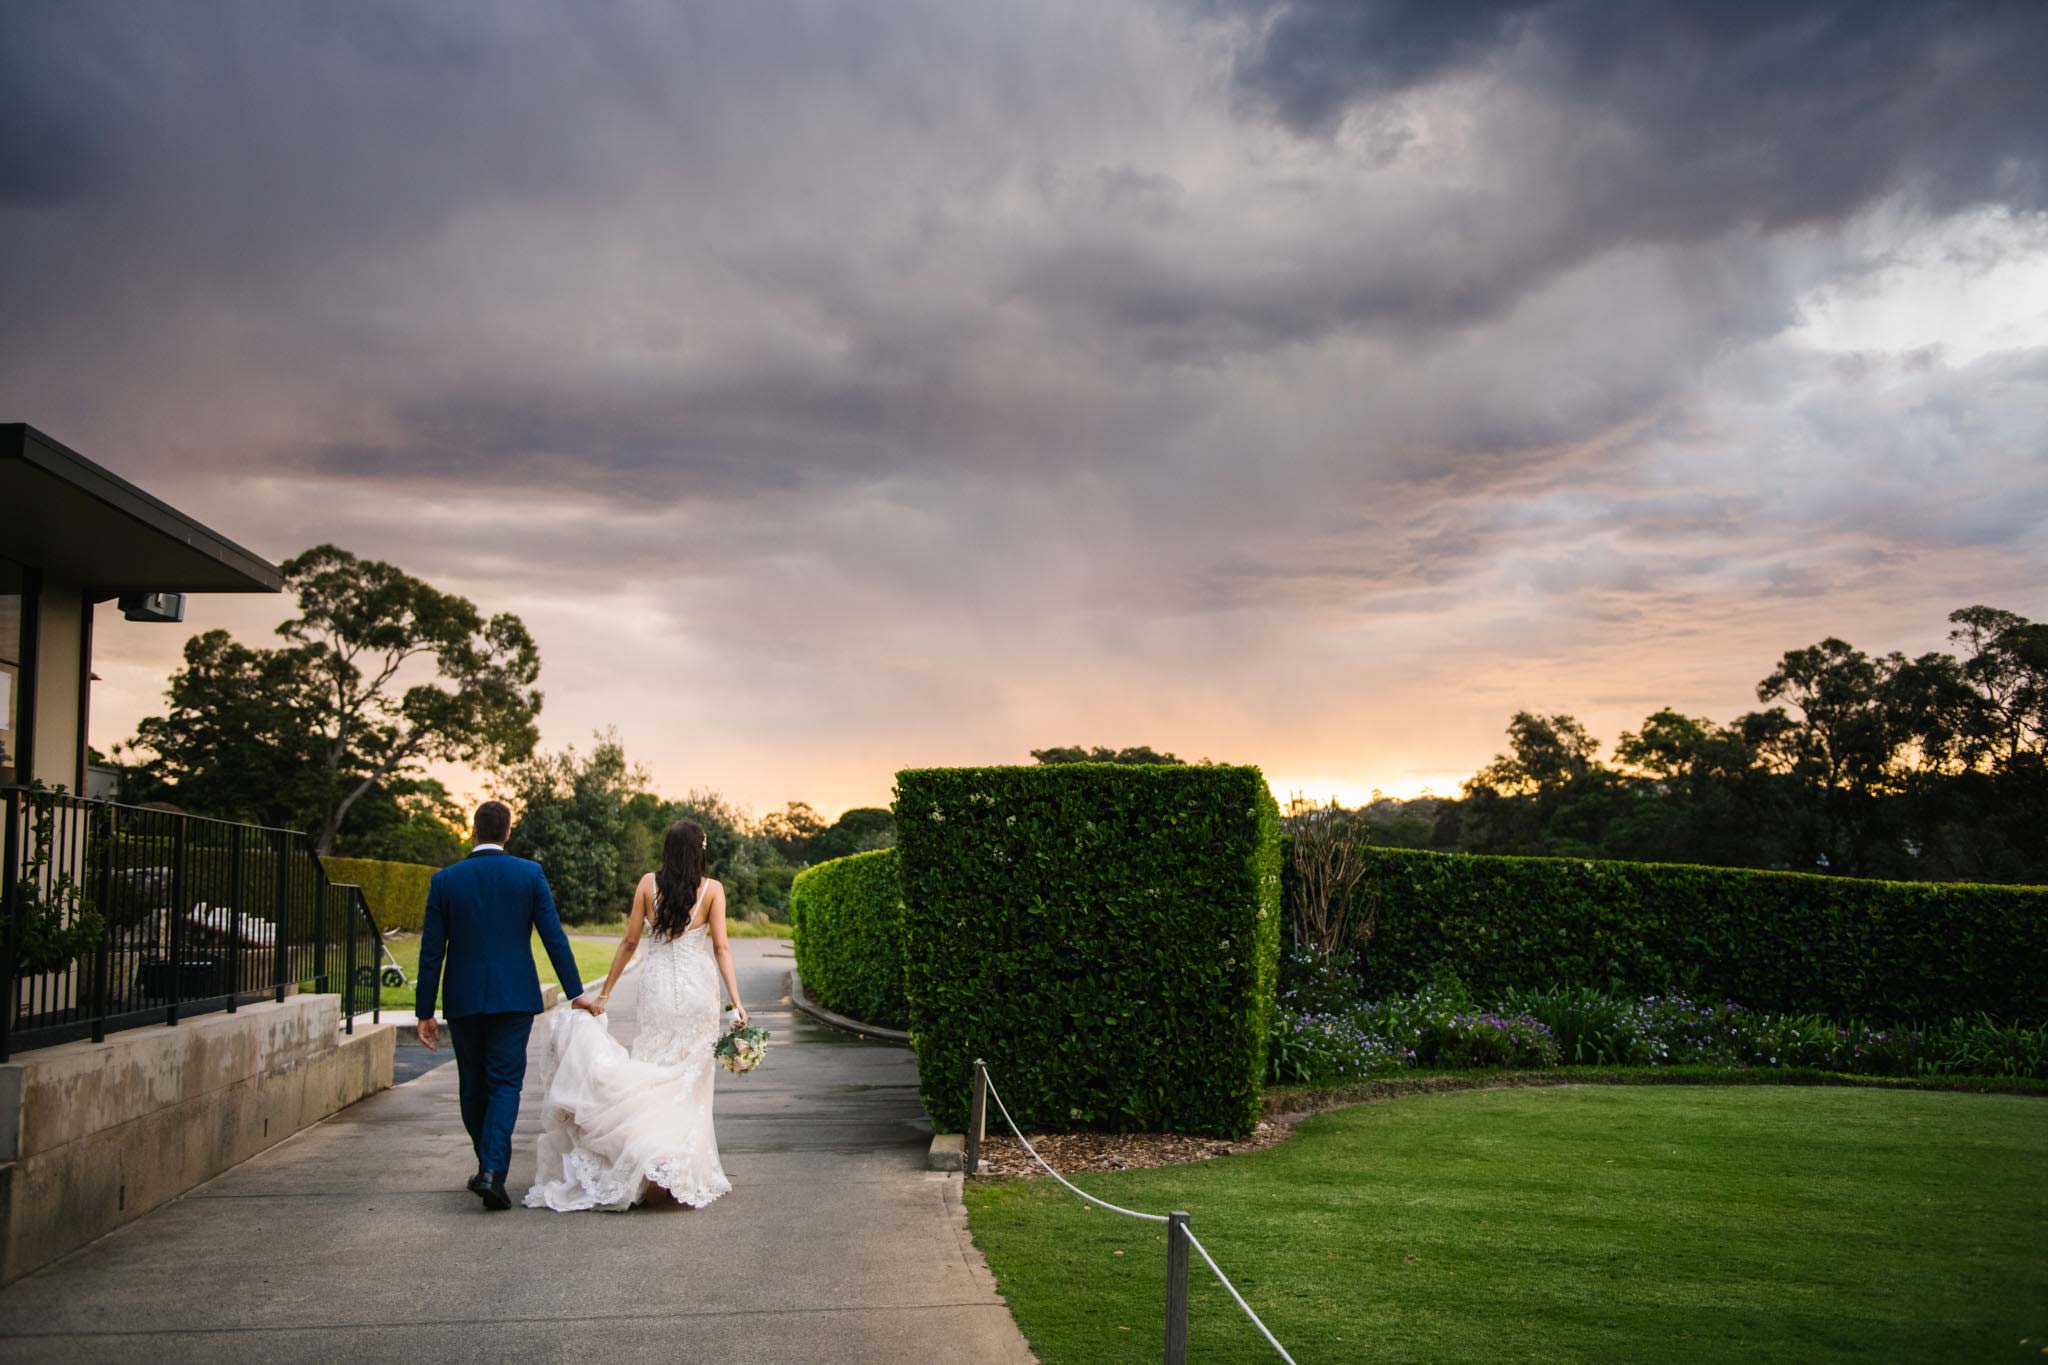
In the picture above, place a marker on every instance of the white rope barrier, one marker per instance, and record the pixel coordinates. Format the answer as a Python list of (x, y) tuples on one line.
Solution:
[(1215, 1269), (1128, 1213), (1271, 1340)]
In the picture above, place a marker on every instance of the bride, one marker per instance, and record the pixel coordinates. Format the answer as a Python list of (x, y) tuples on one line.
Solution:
[(617, 1120)]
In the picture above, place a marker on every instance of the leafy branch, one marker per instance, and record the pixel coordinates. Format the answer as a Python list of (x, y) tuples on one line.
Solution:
[(55, 923)]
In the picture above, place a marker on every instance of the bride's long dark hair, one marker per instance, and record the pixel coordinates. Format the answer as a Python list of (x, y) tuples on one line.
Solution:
[(680, 879)]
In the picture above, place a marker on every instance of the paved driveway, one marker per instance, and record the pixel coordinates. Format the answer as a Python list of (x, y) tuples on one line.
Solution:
[(354, 1240)]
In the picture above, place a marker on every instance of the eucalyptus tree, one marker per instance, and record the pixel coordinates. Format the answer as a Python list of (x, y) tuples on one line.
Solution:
[(381, 673), (404, 674)]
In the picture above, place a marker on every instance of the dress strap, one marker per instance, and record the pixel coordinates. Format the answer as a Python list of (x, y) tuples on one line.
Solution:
[(703, 890)]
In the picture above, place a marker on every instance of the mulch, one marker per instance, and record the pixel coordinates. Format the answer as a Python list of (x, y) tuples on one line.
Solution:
[(1071, 1152)]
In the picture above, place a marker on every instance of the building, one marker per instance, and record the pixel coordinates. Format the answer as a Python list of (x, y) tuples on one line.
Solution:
[(176, 992), (76, 538)]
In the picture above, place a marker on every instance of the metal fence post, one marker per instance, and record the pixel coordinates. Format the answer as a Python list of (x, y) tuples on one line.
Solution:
[(322, 894), (177, 972), (10, 877), (237, 889), (1176, 1289), (977, 1117), (348, 968), (376, 967), (102, 966), (283, 910)]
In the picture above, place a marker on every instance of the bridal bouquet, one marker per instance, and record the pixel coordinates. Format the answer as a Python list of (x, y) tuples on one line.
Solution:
[(740, 1050)]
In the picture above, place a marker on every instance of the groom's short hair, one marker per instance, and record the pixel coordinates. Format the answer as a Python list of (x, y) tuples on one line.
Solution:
[(493, 822)]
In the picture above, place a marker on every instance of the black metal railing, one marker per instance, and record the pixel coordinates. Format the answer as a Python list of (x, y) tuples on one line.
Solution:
[(119, 916)]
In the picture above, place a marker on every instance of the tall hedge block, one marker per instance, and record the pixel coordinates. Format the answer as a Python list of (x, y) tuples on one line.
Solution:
[(847, 915), (1883, 952), (397, 892), (1104, 936)]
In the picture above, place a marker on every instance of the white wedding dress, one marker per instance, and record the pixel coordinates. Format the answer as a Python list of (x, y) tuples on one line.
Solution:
[(616, 1120)]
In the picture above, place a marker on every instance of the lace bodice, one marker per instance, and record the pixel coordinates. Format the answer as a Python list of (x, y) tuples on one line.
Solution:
[(679, 998)]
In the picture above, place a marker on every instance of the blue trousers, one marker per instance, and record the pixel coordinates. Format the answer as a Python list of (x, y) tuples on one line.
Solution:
[(490, 1066)]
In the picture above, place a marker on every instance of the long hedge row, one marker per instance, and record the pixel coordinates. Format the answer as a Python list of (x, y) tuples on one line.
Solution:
[(848, 919), (1852, 949), (397, 892), (1105, 936)]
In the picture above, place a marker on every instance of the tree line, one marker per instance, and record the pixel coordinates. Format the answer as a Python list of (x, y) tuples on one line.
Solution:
[(594, 822), (1927, 768), (380, 673), (1934, 767)]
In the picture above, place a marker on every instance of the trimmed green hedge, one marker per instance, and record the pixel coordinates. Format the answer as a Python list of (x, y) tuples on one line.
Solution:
[(1104, 935), (847, 914), (397, 892), (1882, 952)]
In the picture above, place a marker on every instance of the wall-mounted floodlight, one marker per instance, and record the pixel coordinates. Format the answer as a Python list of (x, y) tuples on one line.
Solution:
[(166, 607)]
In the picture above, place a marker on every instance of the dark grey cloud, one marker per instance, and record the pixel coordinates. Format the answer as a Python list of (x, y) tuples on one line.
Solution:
[(1696, 116), (1575, 127), (946, 374)]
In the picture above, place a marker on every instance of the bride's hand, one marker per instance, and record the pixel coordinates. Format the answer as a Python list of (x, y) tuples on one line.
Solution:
[(739, 1016)]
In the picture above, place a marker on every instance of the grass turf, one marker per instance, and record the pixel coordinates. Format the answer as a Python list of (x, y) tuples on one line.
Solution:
[(1584, 1223), (593, 960), (735, 927)]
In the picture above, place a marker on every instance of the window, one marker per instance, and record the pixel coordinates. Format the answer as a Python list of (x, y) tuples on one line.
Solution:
[(12, 582)]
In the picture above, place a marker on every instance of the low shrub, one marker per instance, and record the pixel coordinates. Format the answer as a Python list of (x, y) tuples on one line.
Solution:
[(1591, 1028), (1310, 983), (397, 892), (848, 918), (1983, 1047), (1106, 936), (1315, 1049), (1437, 1028), (1486, 1039), (1404, 1019)]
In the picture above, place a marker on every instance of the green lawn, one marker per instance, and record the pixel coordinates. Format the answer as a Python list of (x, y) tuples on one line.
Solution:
[(1595, 1223), (593, 959), (734, 928)]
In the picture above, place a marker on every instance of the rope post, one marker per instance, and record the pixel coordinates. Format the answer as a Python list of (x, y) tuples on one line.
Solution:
[(977, 1117), (1176, 1289)]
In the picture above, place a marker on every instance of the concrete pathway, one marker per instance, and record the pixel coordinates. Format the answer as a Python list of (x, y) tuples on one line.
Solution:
[(354, 1241)]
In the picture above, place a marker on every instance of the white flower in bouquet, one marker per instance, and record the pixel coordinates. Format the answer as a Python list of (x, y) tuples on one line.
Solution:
[(740, 1050)]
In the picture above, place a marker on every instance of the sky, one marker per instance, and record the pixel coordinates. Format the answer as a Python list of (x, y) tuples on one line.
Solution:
[(834, 388)]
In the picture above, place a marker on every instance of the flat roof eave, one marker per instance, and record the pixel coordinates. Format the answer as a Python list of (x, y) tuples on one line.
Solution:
[(102, 529)]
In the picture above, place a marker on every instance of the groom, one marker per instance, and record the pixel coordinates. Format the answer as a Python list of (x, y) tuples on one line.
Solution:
[(481, 914)]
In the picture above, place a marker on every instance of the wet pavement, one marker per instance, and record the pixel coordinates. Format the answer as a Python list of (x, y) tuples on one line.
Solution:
[(355, 1241)]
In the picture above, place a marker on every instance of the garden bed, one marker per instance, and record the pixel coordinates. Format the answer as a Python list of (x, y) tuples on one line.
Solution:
[(1069, 1153), (1294, 1101)]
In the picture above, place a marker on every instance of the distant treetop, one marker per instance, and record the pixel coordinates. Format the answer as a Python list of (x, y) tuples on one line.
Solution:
[(1074, 753)]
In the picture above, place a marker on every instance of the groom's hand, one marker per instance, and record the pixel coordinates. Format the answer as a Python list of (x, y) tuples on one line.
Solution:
[(430, 1033), (587, 1003)]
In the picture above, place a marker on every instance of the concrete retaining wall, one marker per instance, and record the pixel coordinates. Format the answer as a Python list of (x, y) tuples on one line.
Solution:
[(95, 1134)]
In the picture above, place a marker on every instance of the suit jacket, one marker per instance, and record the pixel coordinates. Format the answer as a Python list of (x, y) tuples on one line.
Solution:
[(481, 915)]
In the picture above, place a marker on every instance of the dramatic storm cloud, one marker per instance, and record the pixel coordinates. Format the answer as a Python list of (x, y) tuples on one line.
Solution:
[(836, 387)]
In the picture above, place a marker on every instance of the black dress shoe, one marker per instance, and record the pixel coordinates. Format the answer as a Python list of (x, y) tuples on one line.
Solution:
[(491, 1190), (477, 1182)]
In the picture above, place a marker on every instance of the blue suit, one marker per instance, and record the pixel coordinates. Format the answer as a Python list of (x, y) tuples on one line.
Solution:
[(481, 915)]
